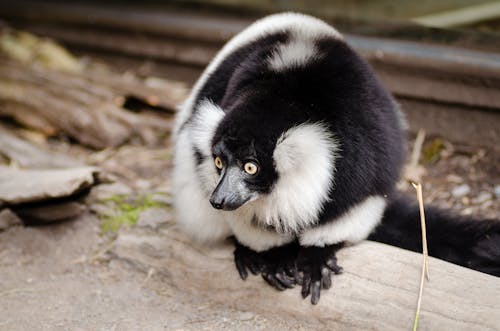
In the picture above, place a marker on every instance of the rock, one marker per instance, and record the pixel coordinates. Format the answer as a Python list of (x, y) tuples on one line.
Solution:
[(482, 197), (246, 316), (163, 198), (452, 178), (8, 219), (154, 217), (497, 191), (460, 191), (23, 186), (28, 155), (105, 191), (51, 212)]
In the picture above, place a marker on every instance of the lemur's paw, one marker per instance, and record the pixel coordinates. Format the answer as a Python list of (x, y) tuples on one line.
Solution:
[(247, 259), (276, 265), (279, 269), (313, 269)]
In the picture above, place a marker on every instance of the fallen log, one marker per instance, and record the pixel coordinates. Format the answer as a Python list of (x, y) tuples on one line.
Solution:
[(378, 289), (88, 107)]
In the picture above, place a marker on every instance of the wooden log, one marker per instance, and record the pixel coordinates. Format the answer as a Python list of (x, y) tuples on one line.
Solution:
[(378, 289), (86, 106), (197, 53), (461, 16)]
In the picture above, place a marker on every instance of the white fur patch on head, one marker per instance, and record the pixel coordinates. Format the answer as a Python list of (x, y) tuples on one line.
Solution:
[(296, 53), (353, 226), (305, 161), (301, 24), (201, 130)]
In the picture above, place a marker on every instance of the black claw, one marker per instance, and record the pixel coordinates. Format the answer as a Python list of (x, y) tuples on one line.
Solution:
[(290, 269), (338, 270), (286, 281), (315, 292), (271, 280), (306, 287), (299, 277), (326, 279), (241, 268), (331, 263), (254, 269)]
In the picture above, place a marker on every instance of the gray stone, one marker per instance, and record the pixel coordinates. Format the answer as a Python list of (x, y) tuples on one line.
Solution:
[(497, 191), (154, 217), (21, 186), (8, 219), (246, 316), (482, 197), (104, 191), (29, 155), (460, 191), (51, 212)]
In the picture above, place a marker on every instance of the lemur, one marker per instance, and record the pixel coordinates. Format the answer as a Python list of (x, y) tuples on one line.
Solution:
[(290, 144)]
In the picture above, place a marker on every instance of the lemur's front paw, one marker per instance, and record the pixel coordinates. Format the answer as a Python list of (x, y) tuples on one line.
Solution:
[(246, 258), (279, 269), (276, 265), (314, 267)]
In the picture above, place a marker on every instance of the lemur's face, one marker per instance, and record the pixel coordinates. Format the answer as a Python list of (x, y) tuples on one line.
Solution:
[(243, 174)]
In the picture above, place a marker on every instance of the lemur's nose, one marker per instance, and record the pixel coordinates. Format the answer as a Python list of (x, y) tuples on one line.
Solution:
[(217, 204)]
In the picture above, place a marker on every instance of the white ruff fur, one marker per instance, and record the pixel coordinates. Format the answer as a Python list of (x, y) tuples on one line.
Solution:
[(300, 24), (193, 211), (355, 225), (204, 124), (258, 239), (305, 161)]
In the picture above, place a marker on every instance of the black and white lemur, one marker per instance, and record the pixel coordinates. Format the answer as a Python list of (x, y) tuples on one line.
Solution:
[(290, 144)]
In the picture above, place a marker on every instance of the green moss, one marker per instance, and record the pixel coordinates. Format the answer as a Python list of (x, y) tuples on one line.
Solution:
[(126, 210), (431, 153)]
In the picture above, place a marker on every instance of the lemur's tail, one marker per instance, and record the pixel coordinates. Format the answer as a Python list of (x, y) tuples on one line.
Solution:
[(472, 243)]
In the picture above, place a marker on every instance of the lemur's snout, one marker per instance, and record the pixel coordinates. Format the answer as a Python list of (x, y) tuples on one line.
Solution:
[(231, 191)]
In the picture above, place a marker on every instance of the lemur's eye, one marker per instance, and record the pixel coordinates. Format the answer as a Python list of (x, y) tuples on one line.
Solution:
[(251, 168), (218, 163)]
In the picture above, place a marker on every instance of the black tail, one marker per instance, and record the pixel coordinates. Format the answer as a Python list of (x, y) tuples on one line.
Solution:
[(461, 240)]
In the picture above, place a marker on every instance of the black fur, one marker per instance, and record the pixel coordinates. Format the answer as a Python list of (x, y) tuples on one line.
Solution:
[(465, 241)]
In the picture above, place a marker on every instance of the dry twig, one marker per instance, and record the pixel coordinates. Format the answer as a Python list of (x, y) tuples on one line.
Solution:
[(425, 266)]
